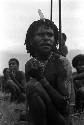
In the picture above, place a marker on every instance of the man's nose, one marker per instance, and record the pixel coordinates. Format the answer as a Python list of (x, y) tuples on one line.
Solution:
[(11, 66), (46, 37)]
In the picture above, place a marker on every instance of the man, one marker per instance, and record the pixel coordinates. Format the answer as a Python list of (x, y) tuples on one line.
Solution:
[(16, 83), (78, 80), (47, 75)]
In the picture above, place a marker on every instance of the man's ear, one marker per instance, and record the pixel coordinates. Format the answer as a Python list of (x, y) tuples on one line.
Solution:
[(31, 43)]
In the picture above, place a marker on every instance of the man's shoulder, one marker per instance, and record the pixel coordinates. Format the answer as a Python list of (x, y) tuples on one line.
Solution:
[(63, 61), (20, 74), (63, 65), (74, 74), (60, 57), (29, 62)]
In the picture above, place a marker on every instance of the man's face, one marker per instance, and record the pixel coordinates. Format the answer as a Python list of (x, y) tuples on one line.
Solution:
[(8, 72), (13, 65), (44, 39), (80, 66)]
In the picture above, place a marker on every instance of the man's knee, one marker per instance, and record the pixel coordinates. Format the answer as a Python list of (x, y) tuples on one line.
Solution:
[(36, 103)]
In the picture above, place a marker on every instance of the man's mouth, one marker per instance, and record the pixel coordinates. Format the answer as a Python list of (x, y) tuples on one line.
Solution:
[(46, 45)]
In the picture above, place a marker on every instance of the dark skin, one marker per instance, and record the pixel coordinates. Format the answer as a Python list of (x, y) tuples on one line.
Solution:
[(80, 70), (42, 92), (63, 49), (78, 80), (55, 95), (14, 67), (43, 42), (18, 87)]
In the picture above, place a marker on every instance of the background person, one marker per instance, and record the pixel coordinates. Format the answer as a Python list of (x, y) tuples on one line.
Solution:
[(16, 83), (78, 81), (63, 50)]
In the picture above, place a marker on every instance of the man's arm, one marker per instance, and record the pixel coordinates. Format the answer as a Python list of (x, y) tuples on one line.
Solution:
[(63, 78), (57, 98), (68, 81), (22, 82)]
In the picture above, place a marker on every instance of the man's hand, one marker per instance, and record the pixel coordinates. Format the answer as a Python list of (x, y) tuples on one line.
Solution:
[(10, 80), (44, 81), (81, 89)]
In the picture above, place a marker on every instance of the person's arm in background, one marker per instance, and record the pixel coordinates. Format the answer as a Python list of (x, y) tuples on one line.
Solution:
[(79, 76), (22, 80)]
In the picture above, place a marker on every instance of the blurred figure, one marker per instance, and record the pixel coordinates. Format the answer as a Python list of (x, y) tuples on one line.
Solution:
[(5, 78), (78, 81), (63, 50), (14, 81)]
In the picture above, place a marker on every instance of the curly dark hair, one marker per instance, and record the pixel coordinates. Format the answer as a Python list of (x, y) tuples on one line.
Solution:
[(78, 58), (33, 28)]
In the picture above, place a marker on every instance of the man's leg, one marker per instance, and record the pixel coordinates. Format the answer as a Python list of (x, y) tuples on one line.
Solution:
[(37, 110), (41, 105)]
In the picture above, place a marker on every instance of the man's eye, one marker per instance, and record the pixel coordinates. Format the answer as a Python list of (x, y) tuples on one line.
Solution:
[(11, 64), (41, 34), (50, 34)]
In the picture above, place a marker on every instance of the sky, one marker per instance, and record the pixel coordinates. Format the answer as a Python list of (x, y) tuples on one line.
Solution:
[(17, 15)]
